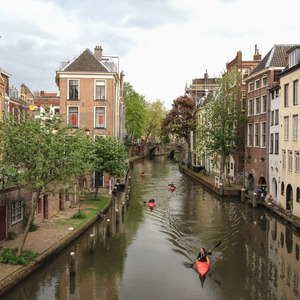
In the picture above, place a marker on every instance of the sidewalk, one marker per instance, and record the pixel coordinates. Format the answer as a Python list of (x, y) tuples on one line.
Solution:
[(52, 236)]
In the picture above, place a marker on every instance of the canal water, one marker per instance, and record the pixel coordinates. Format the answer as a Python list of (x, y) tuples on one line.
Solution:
[(140, 253)]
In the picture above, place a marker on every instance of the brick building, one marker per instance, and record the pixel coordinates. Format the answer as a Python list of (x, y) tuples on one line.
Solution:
[(263, 78), (91, 89)]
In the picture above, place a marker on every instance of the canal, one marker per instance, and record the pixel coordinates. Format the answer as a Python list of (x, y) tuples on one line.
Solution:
[(144, 254)]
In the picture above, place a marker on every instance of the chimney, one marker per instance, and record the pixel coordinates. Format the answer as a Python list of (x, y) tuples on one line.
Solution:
[(256, 56), (98, 52)]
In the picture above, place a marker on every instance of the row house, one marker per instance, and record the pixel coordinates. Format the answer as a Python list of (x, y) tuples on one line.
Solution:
[(263, 79), (198, 91), (236, 162), (91, 97), (289, 111)]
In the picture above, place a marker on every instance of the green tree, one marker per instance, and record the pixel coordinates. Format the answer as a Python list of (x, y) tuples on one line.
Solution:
[(135, 112), (155, 113), (42, 155), (225, 118), (180, 121), (110, 157)]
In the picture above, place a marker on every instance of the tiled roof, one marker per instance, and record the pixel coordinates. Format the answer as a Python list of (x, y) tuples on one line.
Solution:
[(276, 57), (86, 62)]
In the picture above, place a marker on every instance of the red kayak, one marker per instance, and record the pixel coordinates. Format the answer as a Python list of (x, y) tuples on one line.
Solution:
[(151, 205), (202, 267), (172, 188), (143, 175)]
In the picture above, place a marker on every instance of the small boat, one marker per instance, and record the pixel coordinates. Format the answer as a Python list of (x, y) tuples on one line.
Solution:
[(143, 174), (151, 205), (172, 188), (202, 267)]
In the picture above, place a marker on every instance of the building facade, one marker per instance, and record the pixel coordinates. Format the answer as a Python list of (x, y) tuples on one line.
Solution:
[(289, 112), (263, 78), (91, 97)]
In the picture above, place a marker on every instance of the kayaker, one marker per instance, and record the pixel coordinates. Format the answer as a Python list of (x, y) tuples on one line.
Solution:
[(151, 200), (202, 255), (172, 184)]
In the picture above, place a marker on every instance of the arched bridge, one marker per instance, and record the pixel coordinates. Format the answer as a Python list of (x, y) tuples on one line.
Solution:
[(155, 149)]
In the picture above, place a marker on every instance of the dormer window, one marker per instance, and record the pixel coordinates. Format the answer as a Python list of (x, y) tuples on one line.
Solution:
[(292, 58)]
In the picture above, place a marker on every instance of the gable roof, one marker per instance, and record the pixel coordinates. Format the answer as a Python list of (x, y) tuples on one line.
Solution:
[(276, 57), (86, 62)]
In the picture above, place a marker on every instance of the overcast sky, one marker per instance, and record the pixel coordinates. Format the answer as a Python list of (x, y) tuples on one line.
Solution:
[(162, 44)]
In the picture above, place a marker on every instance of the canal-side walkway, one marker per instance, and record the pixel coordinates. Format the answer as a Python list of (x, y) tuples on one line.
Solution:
[(209, 181), (52, 236)]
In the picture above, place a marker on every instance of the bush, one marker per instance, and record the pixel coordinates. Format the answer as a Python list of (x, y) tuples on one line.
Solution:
[(11, 235), (9, 256), (79, 215)]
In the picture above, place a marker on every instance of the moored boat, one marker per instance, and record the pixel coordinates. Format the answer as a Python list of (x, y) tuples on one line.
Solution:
[(202, 266)]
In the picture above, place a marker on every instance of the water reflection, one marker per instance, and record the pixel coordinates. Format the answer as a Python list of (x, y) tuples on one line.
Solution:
[(142, 254)]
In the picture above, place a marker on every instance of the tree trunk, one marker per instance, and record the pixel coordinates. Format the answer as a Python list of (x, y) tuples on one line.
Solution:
[(141, 150), (96, 193), (226, 171), (33, 208)]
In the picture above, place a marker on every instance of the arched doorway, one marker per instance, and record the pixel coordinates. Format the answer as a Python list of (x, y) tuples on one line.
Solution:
[(262, 181), (289, 197), (251, 183)]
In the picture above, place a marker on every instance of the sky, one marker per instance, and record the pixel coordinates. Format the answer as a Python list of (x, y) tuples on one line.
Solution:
[(161, 44)]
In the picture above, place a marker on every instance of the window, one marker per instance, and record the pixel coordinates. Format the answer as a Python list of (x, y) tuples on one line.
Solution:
[(38, 209), (256, 104), (286, 95), (257, 84), (250, 109), (276, 117), (290, 161), (276, 143), (264, 81), (100, 117), (292, 58), (286, 128), (271, 143), (283, 159), (295, 127), (263, 134), (73, 89), (98, 179), (297, 162), (272, 118), (264, 103), (256, 134), (251, 87), (100, 90), (250, 135), (17, 211), (73, 116), (295, 92)]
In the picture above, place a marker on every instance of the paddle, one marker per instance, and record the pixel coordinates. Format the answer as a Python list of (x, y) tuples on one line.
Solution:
[(191, 265)]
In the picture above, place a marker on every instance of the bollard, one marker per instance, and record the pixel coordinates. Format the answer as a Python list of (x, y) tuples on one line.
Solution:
[(254, 201), (242, 195), (72, 263), (221, 188), (92, 244), (108, 227), (117, 216)]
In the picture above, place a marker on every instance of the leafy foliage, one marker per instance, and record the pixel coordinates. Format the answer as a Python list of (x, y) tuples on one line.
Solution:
[(135, 112), (42, 155), (79, 215), (225, 118), (110, 156), (9, 256), (180, 121)]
